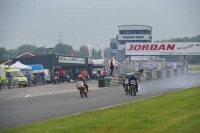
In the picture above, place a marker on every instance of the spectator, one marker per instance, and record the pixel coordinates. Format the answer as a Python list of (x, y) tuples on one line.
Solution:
[(38, 78), (111, 67), (28, 76), (42, 77), (84, 73), (61, 75), (104, 72)]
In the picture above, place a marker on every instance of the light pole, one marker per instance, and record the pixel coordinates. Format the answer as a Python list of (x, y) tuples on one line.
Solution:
[(44, 49)]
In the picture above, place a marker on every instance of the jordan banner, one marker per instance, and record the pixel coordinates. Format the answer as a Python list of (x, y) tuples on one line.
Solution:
[(90, 50)]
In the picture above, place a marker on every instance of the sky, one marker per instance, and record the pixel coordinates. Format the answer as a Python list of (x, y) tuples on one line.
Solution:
[(94, 22)]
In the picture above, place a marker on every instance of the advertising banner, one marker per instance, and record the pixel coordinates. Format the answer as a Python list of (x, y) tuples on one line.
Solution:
[(102, 51), (166, 48), (75, 60), (90, 50)]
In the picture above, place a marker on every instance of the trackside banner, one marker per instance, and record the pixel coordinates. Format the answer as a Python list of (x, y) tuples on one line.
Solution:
[(166, 48)]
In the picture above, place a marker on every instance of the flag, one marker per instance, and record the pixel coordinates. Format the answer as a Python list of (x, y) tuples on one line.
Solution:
[(71, 53), (102, 51), (90, 50)]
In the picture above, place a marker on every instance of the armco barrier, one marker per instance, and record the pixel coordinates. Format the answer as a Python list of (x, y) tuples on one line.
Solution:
[(147, 75)]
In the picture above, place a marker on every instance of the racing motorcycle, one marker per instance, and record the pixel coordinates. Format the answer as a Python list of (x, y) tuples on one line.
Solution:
[(126, 87), (56, 79), (132, 88), (82, 88)]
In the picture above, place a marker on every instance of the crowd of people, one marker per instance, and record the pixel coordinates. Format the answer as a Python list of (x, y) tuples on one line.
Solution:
[(36, 78), (69, 75), (72, 74)]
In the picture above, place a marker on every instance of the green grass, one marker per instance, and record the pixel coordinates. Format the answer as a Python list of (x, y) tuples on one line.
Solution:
[(194, 67), (177, 112)]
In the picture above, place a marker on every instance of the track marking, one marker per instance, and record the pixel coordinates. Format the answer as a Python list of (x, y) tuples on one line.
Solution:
[(54, 92)]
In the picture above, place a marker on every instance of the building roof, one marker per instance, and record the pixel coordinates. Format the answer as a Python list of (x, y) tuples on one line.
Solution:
[(134, 25), (29, 53)]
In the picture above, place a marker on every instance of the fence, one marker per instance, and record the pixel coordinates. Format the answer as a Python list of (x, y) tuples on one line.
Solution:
[(146, 76), (148, 65), (38, 80)]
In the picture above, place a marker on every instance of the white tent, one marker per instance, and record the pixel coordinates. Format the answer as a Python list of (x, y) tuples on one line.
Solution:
[(21, 66)]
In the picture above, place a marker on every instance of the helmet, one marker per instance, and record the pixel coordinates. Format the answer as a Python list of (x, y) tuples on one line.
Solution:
[(79, 76), (132, 74)]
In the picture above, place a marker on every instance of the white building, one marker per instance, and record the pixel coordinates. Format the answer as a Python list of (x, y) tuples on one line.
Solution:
[(130, 33)]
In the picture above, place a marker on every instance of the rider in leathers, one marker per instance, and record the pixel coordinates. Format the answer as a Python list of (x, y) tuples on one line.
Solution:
[(125, 78), (132, 77), (80, 78)]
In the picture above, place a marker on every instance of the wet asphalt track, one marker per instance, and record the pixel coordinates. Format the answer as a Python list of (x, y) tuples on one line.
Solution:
[(28, 105)]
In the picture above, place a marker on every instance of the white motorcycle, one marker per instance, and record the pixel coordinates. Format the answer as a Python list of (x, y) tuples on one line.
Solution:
[(82, 88)]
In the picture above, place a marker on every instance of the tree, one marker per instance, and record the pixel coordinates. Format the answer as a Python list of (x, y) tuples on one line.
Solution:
[(3, 52), (107, 52), (13, 53), (61, 48), (25, 48), (40, 50), (83, 51), (94, 53)]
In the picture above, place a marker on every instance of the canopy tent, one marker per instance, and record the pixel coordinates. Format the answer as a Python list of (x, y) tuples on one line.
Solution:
[(21, 66)]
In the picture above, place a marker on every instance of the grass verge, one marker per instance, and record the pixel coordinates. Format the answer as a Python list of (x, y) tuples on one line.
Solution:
[(177, 112), (194, 67)]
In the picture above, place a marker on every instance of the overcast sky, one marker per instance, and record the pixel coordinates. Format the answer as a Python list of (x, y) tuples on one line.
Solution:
[(93, 22)]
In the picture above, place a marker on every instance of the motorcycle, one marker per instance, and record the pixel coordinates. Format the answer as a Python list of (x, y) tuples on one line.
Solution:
[(56, 79), (126, 87), (132, 88), (82, 88)]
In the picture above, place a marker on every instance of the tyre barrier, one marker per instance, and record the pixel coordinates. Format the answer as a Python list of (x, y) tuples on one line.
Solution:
[(175, 72), (167, 72)]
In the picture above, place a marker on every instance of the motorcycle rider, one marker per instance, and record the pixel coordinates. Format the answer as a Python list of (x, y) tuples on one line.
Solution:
[(125, 78), (80, 78), (132, 77)]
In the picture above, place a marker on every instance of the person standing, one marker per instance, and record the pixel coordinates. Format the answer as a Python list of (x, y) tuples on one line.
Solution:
[(61, 75), (28, 76), (111, 67)]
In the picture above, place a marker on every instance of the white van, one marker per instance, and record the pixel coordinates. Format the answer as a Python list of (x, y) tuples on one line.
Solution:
[(47, 75)]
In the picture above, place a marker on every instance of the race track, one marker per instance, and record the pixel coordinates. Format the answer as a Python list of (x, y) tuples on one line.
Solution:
[(33, 104)]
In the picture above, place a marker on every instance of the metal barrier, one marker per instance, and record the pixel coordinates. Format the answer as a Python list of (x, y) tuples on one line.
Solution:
[(127, 66), (38, 80), (9, 83)]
